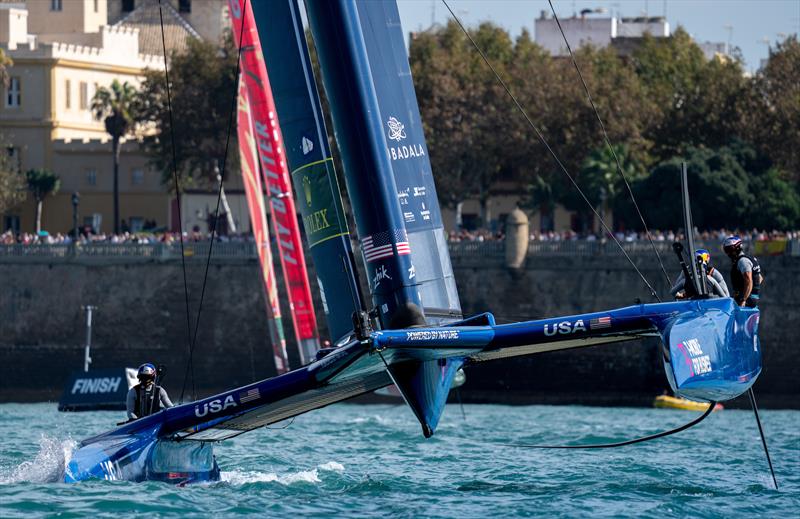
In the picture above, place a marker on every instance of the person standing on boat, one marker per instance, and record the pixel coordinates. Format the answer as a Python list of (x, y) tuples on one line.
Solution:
[(146, 398), (716, 283), (746, 276)]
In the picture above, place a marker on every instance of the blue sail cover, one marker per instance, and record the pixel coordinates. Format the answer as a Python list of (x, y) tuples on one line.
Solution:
[(308, 154), (416, 191)]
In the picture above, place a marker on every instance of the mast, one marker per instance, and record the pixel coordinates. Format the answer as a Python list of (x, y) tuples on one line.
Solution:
[(364, 69), (309, 158), (411, 167), (358, 124)]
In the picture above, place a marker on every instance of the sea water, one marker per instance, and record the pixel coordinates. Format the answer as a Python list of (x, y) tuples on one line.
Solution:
[(359, 460)]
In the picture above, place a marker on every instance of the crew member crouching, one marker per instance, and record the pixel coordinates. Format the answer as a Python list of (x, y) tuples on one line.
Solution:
[(714, 280), (146, 398)]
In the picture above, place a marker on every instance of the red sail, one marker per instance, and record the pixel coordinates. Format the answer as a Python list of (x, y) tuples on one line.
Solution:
[(276, 177), (258, 222)]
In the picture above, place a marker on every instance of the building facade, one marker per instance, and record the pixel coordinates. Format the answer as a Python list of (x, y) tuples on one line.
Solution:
[(594, 30), (62, 52)]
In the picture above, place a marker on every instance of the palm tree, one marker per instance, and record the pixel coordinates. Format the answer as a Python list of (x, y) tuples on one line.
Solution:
[(115, 106), (41, 182)]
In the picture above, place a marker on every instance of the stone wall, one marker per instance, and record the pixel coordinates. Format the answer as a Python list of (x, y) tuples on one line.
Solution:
[(142, 317)]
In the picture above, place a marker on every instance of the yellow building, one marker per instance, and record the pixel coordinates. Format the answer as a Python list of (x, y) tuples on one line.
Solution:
[(62, 52)]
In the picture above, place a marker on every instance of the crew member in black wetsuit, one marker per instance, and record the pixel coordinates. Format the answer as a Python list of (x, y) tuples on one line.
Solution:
[(146, 397), (746, 275)]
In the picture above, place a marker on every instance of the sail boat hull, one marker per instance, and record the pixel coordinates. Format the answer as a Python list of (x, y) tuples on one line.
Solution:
[(144, 457)]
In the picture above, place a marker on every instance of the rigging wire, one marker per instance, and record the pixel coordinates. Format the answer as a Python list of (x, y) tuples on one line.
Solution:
[(622, 443), (752, 396), (610, 147), (291, 421), (190, 363), (234, 98), (177, 196), (552, 152)]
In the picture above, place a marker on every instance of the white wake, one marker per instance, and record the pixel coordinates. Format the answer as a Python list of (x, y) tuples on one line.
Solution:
[(242, 477), (48, 465)]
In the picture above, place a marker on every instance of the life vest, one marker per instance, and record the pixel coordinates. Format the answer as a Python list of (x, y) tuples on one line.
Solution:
[(148, 401), (737, 279)]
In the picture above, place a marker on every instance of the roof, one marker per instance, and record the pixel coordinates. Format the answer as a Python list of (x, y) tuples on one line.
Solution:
[(147, 18)]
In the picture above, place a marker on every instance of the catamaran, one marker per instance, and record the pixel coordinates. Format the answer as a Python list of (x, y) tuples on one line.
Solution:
[(411, 332)]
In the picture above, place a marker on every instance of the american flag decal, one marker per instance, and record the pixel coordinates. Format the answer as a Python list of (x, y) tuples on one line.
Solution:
[(382, 245), (599, 323), (249, 395)]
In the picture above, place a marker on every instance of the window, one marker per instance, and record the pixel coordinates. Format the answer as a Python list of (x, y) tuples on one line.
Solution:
[(185, 6), (96, 5), (68, 94), (13, 97), (93, 222), (91, 177), (84, 93), (14, 158), (128, 6), (55, 5), (137, 177)]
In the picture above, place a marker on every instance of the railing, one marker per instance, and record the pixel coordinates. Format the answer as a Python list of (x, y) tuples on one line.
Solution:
[(465, 250), (142, 251)]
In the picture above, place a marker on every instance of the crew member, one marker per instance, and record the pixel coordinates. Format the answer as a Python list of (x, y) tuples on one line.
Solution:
[(714, 280), (746, 276), (146, 397)]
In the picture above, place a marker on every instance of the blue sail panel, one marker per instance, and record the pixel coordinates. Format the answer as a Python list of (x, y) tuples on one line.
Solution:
[(385, 245), (411, 167)]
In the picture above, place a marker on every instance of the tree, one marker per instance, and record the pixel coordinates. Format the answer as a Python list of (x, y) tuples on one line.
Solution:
[(602, 183), (719, 185), (12, 184), (463, 109), (202, 83), (41, 182), (702, 102), (776, 205), (775, 123), (117, 107), (5, 62)]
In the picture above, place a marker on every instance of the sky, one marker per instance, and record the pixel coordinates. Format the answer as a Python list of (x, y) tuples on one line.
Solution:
[(752, 25)]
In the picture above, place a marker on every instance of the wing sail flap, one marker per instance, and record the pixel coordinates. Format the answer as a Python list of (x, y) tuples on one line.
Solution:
[(290, 407)]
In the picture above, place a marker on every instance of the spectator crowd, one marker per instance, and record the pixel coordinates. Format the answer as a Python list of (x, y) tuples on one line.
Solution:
[(478, 235), (626, 236)]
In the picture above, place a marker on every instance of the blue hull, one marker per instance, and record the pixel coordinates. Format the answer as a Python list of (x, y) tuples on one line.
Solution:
[(710, 348), (143, 457)]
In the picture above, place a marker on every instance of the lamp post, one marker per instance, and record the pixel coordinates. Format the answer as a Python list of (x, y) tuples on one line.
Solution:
[(76, 197)]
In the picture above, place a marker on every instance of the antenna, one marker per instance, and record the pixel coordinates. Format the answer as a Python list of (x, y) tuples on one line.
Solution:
[(689, 230), (728, 27)]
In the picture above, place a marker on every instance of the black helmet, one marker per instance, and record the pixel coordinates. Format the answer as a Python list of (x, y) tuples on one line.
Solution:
[(732, 245), (146, 373)]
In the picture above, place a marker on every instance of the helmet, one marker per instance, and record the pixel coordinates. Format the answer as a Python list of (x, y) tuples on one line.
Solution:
[(702, 255), (732, 244), (146, 373)]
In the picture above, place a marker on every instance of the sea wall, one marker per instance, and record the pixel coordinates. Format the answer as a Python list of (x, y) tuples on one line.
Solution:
[(141, 317)]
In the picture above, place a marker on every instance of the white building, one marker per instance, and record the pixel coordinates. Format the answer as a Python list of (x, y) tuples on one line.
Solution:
[(594, 30)]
